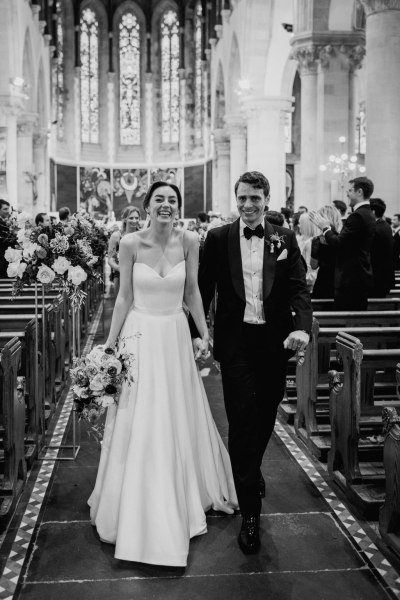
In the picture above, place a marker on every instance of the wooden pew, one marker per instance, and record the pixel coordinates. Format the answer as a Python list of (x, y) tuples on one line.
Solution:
[(312, 407), (336, 321), (12, 429), (373, 304), (389, 514), (355, 460)]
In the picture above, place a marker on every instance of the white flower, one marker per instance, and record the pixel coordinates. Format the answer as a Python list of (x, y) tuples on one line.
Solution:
[(21, 269), (78, 390), (60, 265), (93, 261), (12, 269), (22, 235), (94, 357), (13, 255), (105, 401), (77, 275), (22, 218), (45, 274), (29, 249), (113, 362), (96, 383)]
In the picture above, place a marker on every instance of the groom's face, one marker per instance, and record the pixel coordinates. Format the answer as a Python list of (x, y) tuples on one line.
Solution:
[(251, 204)]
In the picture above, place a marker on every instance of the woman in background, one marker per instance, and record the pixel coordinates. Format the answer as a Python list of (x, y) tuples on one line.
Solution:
[(130, 218), (307, 232), (323, 256)]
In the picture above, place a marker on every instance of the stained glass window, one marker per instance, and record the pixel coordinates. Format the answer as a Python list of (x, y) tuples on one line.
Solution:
[(129, 79), (198, 79), (58, 74), (89, 51), (170, 76)]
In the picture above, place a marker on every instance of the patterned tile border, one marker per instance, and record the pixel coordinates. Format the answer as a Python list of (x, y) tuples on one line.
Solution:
[(386, 575), (12, 570)]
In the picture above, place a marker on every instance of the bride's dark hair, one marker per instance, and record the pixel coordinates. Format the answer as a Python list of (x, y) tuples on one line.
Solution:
[(155, 186)]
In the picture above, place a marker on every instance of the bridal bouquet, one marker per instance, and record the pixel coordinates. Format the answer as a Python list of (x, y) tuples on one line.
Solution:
[(96, 383)]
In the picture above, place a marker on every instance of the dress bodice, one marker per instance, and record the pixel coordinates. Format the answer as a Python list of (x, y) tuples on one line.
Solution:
[(158, 295)]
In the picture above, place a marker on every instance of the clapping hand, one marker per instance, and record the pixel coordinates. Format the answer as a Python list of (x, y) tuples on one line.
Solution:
[(317, 219)]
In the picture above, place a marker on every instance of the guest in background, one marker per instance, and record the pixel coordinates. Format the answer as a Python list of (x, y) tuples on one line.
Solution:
[(323, 256), (287, 213), (396, 241), (201, 218), (302, 209), (275, 217), (63, 214), (42, 219), (5, 212), (381, 252), (342, 208), (353, 272), (130, 218), (307, 231)]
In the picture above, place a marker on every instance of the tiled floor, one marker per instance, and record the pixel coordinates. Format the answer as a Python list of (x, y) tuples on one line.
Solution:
[(312, 547)]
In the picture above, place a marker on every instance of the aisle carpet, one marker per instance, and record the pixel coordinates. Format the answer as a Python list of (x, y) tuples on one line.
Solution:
[(309, 549)]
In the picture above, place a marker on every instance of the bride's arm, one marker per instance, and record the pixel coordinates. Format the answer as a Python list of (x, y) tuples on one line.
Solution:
[(125, 295), (192, 296)]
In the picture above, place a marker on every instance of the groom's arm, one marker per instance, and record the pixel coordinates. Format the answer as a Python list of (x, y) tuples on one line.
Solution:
[(207, 276), (300, 299)]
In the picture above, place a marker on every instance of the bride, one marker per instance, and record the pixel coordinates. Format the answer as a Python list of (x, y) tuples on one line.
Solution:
[(163, 463)]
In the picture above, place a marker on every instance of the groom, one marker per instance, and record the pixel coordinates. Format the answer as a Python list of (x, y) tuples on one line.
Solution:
[(257, 271)]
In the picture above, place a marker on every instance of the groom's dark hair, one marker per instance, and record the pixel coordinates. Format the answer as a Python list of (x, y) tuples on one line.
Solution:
[(254, 178), (157, 184)]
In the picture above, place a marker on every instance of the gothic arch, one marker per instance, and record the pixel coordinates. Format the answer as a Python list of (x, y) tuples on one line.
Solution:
[(234, 75), (219, 104)]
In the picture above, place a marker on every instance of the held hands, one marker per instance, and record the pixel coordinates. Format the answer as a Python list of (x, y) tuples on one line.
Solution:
[(200, 348), (318, 220)]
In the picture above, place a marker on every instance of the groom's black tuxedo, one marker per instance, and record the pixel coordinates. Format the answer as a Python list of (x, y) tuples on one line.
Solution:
[(253, 360)]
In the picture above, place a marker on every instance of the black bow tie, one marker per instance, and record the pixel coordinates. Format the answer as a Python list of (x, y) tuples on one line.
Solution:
[(258, 231)]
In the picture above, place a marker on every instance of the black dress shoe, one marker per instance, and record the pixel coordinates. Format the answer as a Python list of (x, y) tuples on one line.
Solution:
[(261, 487), (249, 538)]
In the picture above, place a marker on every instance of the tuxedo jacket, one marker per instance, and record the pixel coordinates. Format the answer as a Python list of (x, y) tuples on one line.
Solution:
[(353, 272), (381, 257), (284, 287), (396, 250)]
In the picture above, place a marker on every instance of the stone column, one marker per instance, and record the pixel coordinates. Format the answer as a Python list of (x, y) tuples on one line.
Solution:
[(266, 142), (306, 188), (41, 170), (382, 99), (237, 131), (26, 170), (221, 179), (182, 115)]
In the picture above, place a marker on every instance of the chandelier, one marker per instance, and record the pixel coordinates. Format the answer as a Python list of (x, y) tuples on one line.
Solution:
[(343, 166)]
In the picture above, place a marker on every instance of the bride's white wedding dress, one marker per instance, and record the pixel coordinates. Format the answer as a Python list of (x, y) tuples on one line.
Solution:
[(163, 463)]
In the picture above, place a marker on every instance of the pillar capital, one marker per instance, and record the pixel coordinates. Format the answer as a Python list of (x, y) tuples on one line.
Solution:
[(375, 6), (320, 48), (307, 58), (354, 54)]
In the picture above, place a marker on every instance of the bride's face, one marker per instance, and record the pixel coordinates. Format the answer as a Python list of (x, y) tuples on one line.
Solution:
[(163, 205)]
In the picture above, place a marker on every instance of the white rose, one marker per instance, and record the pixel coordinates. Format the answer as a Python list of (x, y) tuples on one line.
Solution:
[(21, 269), (78, 390), (12, 269), (105, 401), (45, 274), (23, 217), (29, 249), (13, 255), (77, 275), (60, 265), (97, 383)]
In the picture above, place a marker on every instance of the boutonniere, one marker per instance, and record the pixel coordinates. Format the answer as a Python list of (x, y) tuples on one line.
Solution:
[(275, 241)]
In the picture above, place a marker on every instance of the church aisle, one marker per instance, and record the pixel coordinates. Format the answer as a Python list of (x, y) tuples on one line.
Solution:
[(311, 546)]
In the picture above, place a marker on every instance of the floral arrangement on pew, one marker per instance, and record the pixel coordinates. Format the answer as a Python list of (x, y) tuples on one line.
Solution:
[(60, 254), (96, 382)]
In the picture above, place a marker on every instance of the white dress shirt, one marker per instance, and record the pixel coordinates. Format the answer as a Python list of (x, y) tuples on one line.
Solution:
[(362, 203), (252, 252)]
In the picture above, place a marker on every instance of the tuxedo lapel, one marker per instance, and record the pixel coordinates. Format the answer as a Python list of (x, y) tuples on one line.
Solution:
[(235, 259), (269, 261)]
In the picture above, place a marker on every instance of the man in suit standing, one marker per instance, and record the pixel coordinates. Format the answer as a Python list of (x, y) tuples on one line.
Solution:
[(353, 272), (381, 251), (396, 241), (256, 269)]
